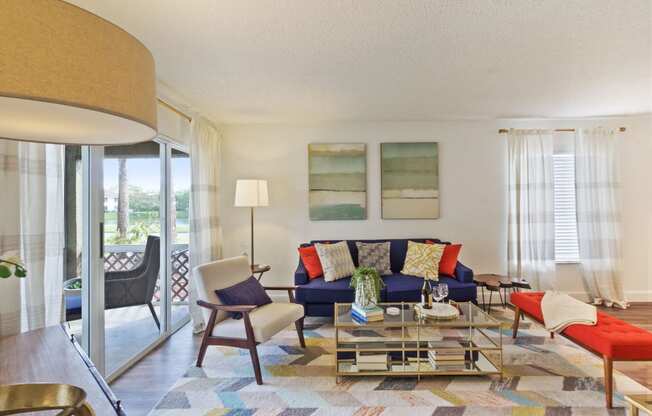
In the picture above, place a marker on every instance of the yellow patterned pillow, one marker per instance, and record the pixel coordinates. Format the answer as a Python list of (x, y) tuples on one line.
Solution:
[(422, 260)]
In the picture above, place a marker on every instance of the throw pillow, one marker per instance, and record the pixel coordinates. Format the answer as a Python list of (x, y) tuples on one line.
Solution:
[(448, 260), (422, 260), (375, 255), (310, 260), (247, 292), (336, 260)]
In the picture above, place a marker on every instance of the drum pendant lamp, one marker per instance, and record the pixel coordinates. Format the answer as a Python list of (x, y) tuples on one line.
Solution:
[(68, 76)]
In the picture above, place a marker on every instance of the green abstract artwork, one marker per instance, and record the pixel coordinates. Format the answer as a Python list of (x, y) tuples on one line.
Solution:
[(337, 181), (410, 180)]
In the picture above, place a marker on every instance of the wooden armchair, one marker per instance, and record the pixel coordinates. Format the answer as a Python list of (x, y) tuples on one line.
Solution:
[(258, 324)]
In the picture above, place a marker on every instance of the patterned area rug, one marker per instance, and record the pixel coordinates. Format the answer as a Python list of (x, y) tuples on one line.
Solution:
[(543, 376)]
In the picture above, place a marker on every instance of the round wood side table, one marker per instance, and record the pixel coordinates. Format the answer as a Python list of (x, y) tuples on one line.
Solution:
[(260, 269), (501, 284)]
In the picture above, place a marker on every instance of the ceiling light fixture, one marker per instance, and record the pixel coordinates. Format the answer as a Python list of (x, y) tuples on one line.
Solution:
[(68, 76)]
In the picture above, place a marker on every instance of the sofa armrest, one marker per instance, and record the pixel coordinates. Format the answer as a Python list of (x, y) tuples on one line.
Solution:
[(300, 275), (463, 273)]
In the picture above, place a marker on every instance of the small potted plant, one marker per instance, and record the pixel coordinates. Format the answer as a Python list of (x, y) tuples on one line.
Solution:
[(11, 265), (367, 284), (72, 287)]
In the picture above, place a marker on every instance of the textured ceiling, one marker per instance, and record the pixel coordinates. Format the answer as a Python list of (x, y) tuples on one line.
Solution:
[(241, 61)]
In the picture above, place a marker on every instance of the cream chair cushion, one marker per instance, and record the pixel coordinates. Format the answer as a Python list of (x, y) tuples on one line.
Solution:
[(218, 275), (266, 321)]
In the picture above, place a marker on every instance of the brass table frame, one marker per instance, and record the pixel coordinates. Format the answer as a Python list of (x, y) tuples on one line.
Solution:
[(639, 402)]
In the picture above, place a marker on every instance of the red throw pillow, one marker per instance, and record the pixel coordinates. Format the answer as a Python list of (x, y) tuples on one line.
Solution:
[(310, 261), (448, 258)]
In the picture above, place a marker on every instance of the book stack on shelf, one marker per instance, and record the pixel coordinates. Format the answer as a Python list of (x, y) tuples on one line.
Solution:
[(366, 314), (449, 358), (371, 361)]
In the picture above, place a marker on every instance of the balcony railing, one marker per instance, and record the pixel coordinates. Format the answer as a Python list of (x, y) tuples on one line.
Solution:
[(126, 257)]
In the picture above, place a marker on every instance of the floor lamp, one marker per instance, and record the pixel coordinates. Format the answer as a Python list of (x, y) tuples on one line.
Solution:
[(251, 193)]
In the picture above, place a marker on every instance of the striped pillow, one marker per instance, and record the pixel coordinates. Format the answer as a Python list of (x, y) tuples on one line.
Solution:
[(336, 260)]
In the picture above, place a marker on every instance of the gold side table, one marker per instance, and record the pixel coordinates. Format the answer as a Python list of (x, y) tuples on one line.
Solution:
[(640, 402)]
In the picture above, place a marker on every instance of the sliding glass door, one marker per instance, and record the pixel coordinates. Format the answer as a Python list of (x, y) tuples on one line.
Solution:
[(179, 236), (127, 249), (132, 251)]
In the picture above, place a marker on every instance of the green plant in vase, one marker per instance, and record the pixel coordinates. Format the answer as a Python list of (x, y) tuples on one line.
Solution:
[(367, 284), (11, 266)]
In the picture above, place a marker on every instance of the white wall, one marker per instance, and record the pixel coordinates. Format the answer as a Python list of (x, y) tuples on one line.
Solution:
[(472, 185)]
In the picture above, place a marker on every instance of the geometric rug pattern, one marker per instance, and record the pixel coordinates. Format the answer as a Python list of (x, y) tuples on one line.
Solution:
[(542, 377)]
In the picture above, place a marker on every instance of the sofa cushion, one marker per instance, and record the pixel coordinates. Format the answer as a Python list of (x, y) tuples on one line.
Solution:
[(401, 288), (320, 291), (374, 255), (448, 258), (335, 260), (422, 260), (310, 260)]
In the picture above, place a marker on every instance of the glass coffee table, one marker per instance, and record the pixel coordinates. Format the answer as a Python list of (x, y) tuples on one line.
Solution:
[(408, 344)]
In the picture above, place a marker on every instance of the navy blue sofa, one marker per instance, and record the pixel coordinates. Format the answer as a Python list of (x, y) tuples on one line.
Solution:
[(318, 296)]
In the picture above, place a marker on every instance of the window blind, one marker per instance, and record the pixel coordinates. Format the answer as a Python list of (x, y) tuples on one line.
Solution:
[(566, 240)]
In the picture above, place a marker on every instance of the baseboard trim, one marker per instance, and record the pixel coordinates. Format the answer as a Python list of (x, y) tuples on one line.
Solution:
[(630, 295)]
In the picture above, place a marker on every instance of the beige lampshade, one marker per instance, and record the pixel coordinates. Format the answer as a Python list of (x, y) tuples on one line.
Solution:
[(69, 76), (251, 193)]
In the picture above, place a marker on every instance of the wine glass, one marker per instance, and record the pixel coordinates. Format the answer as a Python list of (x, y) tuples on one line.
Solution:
[(437, 292), (443, 287)]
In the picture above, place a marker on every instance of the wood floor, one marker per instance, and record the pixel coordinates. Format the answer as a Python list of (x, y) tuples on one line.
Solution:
[(143, 385)]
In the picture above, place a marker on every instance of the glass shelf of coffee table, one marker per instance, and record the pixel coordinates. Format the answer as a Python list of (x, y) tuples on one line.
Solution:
[(408, 344)]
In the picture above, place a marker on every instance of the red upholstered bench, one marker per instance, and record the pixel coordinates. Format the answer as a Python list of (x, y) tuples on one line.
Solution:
[(611, 338)]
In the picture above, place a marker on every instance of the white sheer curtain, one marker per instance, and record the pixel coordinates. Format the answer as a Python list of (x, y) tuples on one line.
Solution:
[(9, 235), (35, 173), (531, 230), (205, 229), (599, 214)]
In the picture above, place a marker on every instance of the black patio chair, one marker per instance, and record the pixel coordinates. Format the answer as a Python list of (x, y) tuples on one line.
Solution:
[(136, 286)]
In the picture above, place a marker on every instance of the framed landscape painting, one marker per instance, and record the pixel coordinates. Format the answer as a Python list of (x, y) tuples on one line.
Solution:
[(410, 180), (337, 181)]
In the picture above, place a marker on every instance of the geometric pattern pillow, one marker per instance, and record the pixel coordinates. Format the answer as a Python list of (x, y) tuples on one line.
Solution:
[(375, 255), (336, 260), (422, 260)]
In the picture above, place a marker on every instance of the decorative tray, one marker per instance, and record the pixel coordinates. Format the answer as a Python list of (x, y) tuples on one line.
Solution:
[(438, 311)]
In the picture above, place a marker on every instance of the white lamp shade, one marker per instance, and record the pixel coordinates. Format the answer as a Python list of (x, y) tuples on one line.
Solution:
[(68, 76), (251, 193)]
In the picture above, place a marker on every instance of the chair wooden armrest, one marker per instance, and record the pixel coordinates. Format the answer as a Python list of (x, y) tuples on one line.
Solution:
[(226, 308), (290, 290), (279, 287)]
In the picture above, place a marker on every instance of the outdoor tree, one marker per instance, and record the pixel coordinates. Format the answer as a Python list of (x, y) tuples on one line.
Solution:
[(123, 199)]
